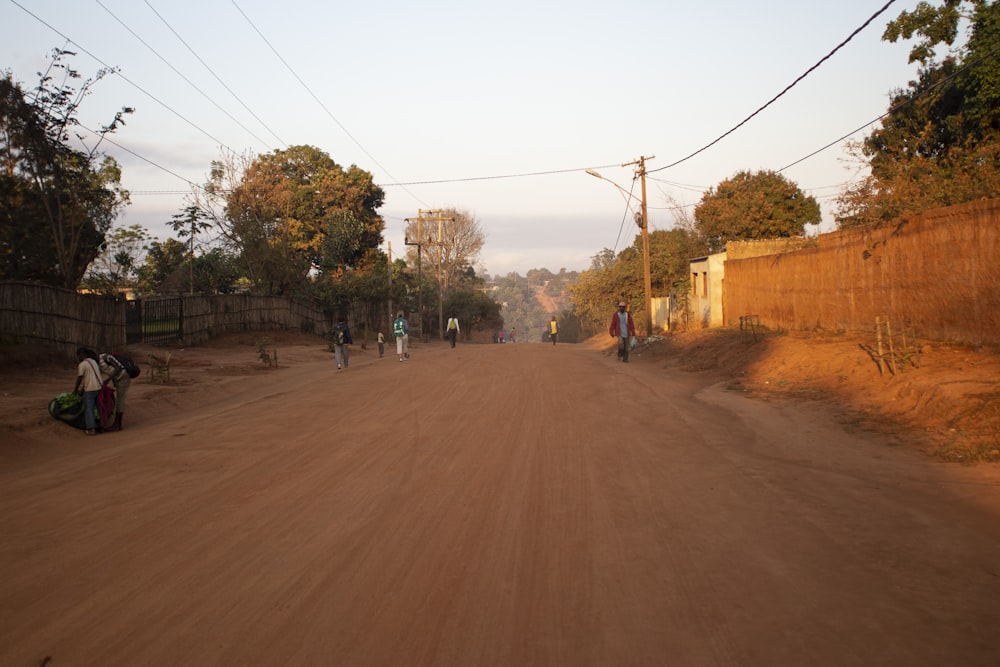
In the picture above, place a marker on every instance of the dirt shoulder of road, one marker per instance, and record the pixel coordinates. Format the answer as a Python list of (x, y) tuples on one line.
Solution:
[(945, 400)]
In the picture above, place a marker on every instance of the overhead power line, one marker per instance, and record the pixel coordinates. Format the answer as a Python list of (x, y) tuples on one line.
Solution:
[(775, 98), (212, 72), (104, 137), (502, 176), (320, 102), (118, 73), (178, 73), (897, 107)]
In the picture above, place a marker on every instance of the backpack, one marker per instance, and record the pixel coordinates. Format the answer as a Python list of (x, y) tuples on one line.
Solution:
[(130, 366), (339, 336), (399, 327)]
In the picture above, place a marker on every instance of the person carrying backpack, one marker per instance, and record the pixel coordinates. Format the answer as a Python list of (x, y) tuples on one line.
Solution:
[(341, 339), (401, 332), (114, 371)]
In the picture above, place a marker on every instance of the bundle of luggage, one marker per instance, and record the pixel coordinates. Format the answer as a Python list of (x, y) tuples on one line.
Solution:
[(68, 408)]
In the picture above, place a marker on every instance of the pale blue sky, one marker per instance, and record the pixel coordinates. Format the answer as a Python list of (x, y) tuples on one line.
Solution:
[(444, 91)]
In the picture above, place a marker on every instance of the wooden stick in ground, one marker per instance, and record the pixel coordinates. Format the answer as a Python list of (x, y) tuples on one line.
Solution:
[(878, 344), (892, 351)]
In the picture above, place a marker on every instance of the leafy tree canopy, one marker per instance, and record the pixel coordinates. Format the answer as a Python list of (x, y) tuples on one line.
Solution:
[(759, 205), (939, 145), (117, 265), (57, 199), (474, 310), (612, 278), (293, 212)]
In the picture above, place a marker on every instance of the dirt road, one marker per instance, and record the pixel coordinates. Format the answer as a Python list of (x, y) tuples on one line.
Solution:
[(487, 505)]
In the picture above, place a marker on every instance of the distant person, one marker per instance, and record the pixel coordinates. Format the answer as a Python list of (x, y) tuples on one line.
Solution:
[(513, 335), (401, 332), (500, 336), (453, 330), (381, 345), (341, 339), (88, 385), (114, 371), (553, 330), (623, 328)]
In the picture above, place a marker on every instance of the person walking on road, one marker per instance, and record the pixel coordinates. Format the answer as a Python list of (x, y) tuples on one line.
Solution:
[(623, 328), (401, 332), (553, 330), (381, 345), (341, 339), (453, 330)]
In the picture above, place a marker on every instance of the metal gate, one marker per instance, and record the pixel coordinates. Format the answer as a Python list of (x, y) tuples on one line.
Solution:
[(153, 320), (133, 322)]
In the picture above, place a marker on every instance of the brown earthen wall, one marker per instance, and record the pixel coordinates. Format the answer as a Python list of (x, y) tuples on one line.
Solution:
[(937, 271)]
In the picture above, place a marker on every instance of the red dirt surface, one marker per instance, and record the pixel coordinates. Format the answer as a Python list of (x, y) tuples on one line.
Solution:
[(709, 503)]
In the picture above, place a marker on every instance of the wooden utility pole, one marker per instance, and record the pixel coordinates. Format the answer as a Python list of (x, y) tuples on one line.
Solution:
[(420, 283), (643, 223), (423, 215)]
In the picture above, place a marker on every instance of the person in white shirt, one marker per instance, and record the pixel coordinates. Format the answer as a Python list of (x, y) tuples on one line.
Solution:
[(452, 330), (88, 385)]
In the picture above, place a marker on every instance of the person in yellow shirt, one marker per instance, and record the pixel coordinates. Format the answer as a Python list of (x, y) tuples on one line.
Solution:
[(553, 330)]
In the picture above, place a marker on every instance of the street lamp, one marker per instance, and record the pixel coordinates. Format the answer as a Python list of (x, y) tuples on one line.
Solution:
[(643, 221), (626, 195)]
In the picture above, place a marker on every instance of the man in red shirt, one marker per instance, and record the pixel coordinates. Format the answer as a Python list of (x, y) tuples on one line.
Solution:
[(623, 328)]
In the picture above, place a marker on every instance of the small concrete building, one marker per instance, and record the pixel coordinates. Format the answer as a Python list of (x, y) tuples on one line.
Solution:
[(707, 276)]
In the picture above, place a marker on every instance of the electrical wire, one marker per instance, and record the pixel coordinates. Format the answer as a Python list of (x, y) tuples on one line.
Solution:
[(118, 73), (775, 98), (628, 209), (104, 137), (178, 73), (502, 176), (323, 106), (212, 72), (891, 110)]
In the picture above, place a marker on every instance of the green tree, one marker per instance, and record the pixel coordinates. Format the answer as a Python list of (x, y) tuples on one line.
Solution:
[(593, 294), (59, 202), (758, 205), (215, 272), (939, 145), (163, 261), (292, 213), (613, 278), (169, 269), (117, 265), (474, 310), (187, 225)]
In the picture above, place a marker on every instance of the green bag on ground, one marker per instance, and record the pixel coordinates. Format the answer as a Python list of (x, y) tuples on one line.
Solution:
[(68, 407)]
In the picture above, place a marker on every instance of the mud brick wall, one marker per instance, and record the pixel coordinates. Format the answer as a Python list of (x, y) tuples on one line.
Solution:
[(938, 271)]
